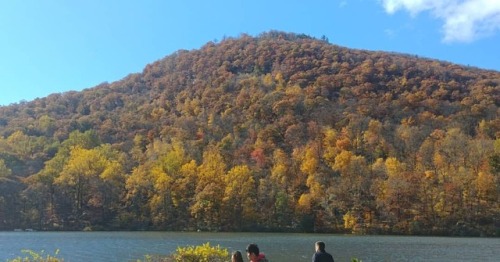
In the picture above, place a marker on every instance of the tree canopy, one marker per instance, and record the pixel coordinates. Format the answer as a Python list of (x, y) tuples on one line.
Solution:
[(275, 132)]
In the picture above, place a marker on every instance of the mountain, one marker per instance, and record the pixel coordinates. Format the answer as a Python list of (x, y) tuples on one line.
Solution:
[(276, 132)]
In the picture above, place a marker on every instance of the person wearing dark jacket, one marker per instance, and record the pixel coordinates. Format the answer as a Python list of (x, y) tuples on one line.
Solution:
[(321, 255)]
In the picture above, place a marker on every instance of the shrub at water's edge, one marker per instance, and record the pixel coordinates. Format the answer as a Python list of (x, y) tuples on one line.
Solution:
[(203, 253), (41, 256)]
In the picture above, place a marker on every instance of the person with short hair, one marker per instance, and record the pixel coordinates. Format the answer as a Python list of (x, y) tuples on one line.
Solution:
[(236, 257), (254, 254), (321, 255)]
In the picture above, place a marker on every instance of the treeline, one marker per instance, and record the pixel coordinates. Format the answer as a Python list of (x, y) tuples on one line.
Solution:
[(277, 132)]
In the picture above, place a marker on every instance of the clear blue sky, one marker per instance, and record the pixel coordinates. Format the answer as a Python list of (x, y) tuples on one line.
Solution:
[(53, 46)]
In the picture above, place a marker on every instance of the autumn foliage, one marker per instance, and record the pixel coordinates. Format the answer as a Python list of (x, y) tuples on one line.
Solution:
[(276, 132)]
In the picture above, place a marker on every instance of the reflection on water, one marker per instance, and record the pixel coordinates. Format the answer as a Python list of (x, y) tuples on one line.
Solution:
[(130, 246)]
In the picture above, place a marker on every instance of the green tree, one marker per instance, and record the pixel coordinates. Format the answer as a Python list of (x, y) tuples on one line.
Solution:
[(5, 172), (8, 206), (21, 145)]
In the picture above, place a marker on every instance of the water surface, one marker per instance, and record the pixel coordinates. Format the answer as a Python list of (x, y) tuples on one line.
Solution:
[(279, 247)]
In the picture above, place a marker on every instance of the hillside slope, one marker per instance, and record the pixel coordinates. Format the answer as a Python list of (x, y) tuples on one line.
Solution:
[(275, 132)]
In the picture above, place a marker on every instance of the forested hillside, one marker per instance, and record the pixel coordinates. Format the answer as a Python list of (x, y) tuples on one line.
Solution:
[(276, 132)]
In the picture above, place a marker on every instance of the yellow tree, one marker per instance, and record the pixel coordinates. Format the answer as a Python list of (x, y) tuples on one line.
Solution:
[(314, 201), (410, 140), (139, 190), (164, 173), (374, 143), (282, 189), (111, 183), (88, 177), (450, 158), (330, 150), (239, 197), (352, 188), (397, 194), (161, 201), (82, 166), (184, 191), (488, 195), (280, 169), (207, 205), (51, 205), (452, 150)]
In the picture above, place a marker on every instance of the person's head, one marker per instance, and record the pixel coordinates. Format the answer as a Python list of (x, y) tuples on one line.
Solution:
[(320, 246), (252, 252), (236, 257)]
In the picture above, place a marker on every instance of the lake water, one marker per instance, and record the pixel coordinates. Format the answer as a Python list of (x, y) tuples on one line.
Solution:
[(279, 247)]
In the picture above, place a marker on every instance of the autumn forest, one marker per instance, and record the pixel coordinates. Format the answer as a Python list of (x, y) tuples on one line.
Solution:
[(277, 132)]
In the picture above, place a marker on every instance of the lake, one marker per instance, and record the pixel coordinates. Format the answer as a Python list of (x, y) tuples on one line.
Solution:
[(279, 247)]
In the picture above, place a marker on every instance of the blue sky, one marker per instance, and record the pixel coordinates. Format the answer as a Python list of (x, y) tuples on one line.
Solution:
[(53, 46)]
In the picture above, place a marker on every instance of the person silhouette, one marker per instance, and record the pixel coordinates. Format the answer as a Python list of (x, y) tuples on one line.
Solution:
[(237, 257), (321, 255), (254, 254)]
